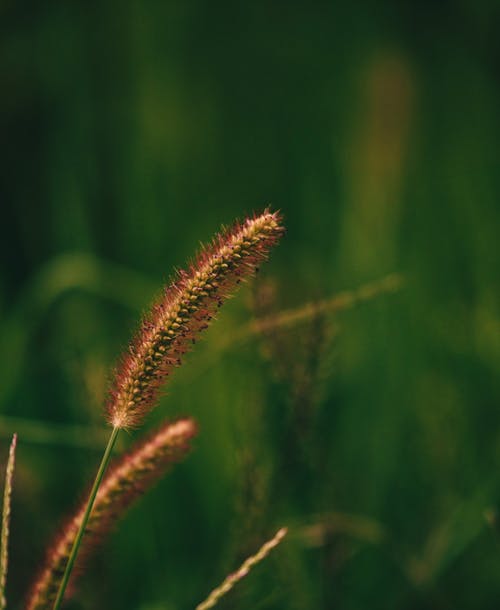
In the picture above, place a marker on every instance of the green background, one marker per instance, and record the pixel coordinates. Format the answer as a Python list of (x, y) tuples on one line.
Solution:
[(130, 132)]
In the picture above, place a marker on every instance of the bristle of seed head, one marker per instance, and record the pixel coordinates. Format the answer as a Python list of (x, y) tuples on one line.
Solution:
[(185, 309), (127, 480)]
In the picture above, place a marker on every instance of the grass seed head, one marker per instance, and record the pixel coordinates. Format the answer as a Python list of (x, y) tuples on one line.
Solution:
[(184, 310), (126, 481)]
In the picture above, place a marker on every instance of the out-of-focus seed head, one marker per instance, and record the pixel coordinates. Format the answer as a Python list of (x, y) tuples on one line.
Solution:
[(126, 481)]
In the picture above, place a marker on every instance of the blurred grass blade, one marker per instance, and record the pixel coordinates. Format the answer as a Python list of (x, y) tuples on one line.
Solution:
[(61, 275), (38, 432), (341, 301), (242, 571), (4, 551)]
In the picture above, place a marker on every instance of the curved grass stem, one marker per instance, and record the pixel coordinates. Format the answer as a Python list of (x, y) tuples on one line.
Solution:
[(90, 503)]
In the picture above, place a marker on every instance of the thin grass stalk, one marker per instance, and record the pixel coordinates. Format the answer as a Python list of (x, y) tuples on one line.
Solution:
[(242, 571), (90, 504), (4, 543)]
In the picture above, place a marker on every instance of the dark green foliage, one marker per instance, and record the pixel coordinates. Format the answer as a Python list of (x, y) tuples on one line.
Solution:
[(132, 130)]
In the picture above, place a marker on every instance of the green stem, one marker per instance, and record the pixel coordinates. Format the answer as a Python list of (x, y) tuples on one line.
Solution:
[(88, 510)]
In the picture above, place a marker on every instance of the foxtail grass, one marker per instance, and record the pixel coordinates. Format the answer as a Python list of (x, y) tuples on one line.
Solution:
[(125, 482), (4, 542), (168, 331), (185, 309)]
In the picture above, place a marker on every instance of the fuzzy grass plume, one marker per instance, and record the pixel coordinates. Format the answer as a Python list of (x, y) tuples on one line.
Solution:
[(242, 571), (184, 311), (132, 475), (174, 324), (4, 542)]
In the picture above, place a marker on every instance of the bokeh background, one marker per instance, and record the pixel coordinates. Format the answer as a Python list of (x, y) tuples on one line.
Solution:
[(130, 131)]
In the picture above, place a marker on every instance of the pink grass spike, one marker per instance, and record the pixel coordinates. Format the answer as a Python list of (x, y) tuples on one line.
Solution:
[(127, 480), (184, 311)]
